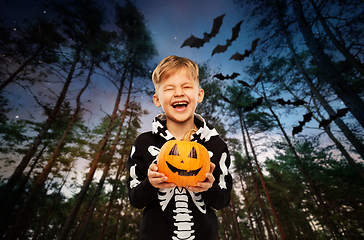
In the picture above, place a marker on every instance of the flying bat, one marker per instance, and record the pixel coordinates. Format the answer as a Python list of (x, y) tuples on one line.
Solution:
[(306, 118), (232, 102), (254, 105), (246, 109), (239, 57), (222, 48), (225, 99), (340, 113), (257, 80), (222, 77), (199, 42), (294, 103)]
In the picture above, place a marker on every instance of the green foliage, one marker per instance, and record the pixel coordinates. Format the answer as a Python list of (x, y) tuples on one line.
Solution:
[(211, 108), (12, 132), (336, 180)]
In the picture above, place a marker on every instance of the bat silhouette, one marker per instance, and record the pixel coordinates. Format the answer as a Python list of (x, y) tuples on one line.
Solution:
[(222, 48), (248, 108), (239, 57), (225, 99), (232, 102), (222, 77), (306, 118), (295, 103), (254, 105), (198, 42), (257, 80), (340, 113)]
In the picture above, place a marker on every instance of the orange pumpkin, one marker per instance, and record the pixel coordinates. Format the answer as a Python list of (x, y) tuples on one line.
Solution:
[(185, 163)]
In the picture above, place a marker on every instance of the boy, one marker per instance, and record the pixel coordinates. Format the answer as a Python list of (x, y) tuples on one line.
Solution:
[(172, 212)]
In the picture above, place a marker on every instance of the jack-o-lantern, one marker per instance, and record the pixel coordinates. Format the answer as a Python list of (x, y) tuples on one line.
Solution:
[(185, 163)]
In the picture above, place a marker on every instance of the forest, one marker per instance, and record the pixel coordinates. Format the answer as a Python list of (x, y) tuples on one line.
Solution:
[(293, 119)]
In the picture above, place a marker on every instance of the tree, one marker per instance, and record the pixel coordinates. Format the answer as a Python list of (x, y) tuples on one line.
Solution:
[(330, 73), (328, 173), (22, 219), (259, 121), (82, 22), (28, 48), (135, 35), (341, 46)]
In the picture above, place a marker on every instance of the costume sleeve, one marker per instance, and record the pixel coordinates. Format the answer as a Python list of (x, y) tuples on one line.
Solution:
[(218, 196), (141, 192)]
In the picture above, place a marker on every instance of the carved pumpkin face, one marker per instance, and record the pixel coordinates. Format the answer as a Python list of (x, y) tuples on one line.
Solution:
[(185, 163)]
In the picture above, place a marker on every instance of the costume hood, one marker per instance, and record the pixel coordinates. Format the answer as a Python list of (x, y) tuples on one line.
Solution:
[(203, 134)]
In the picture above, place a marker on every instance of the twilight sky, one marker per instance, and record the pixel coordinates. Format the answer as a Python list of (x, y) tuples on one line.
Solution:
[(171, 22)]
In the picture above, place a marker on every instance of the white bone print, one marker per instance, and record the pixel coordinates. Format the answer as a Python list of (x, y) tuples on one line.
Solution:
[(182, 218), (224, 170), (154, 151)]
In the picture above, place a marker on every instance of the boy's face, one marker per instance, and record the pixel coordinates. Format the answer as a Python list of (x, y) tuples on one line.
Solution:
[(178, 95)]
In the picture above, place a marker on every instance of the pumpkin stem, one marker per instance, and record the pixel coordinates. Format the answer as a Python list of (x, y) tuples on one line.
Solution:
[(188, 134)]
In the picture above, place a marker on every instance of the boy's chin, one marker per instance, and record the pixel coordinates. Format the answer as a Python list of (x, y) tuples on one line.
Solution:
[(180, 120)]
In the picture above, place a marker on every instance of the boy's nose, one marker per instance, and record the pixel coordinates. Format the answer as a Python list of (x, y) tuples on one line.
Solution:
[(179, 92)]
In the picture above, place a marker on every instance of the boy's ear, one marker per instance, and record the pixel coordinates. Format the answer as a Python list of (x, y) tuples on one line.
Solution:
[(156, 100), (201, 94)]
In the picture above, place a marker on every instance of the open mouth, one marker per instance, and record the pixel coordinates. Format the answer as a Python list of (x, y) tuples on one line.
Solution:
[(179, 105), (181, 172)]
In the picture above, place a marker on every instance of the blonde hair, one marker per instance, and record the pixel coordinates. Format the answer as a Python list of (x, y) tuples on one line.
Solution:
[(171, 65)]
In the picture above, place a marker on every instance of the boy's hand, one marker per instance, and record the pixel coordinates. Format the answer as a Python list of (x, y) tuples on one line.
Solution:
[(205, 185), (157, 179)]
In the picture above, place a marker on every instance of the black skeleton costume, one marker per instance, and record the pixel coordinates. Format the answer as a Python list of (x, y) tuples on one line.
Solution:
[(177, 213)]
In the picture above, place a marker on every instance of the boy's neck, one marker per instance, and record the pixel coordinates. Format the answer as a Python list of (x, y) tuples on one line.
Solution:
[(178, 130)]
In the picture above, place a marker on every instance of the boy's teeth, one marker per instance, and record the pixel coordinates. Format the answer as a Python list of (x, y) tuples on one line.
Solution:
[(179, 104)]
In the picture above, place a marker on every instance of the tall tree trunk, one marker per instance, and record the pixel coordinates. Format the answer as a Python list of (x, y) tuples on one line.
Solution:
[(24, 182), (38, 186), (322, 221), (118, 221), (326, 214), (17, 193), (312, 224), (338, 144), (224, 226), (121, 168), (111, 199), (299, 225), (226, 219), (344, 91), (281, 230), (247, 206), (327, 130), (345, 52), (50, 208), (254, 179), (71, 217), (235, 220), (91, 208), (107, 166), (260, 227), (20, 68), (14, 178), (359, 147)]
